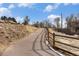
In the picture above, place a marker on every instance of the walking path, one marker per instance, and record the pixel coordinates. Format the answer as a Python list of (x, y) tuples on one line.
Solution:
[(33, 45)]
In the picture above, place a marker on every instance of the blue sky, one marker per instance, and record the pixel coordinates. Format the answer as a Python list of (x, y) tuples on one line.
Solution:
[(38, 11)]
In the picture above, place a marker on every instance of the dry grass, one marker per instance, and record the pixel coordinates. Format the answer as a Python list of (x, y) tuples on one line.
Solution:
[(69, 41), (12, 32)]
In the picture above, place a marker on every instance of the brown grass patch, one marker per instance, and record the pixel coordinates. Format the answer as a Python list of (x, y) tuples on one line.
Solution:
[(12, 32)]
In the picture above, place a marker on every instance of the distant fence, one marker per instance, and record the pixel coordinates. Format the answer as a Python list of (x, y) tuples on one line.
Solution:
[(53, 41)]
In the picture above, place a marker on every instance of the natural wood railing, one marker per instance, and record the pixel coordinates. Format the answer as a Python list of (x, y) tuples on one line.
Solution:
[(53, 37)]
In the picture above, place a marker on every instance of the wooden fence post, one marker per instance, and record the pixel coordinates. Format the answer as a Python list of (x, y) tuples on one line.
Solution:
[(48, 34), (53, 40)]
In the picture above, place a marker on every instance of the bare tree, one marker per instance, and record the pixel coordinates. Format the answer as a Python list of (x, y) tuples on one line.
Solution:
[(61, 21), (57, 24), (26, 20)]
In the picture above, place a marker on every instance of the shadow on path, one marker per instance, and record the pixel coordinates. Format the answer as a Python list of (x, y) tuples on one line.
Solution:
[(41, 44), (33, 47)]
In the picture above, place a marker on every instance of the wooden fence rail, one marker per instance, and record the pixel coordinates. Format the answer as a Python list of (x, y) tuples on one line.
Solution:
[(54, 41)]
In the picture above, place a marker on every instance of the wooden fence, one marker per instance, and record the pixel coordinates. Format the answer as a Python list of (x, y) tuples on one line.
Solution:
[(52, 43)]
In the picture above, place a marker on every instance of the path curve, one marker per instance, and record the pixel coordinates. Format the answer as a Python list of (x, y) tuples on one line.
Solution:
[(33, 45)]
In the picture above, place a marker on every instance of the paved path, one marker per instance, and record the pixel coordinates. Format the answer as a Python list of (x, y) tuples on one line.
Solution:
[(33, 45)]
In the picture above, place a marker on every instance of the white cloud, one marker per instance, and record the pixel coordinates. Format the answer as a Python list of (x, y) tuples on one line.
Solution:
[(19, 19), (25, 5), (49, 8), (11, 6), (66, 4), (52, 17), (75, 3), (29, 5), (5, 12)]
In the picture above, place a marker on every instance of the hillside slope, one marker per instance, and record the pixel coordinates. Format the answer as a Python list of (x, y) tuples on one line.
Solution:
[(12, 32)]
